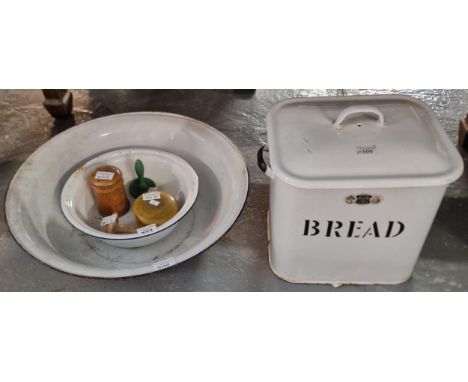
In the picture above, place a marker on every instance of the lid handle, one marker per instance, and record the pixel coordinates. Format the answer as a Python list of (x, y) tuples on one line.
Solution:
[(361, 109), (261, 162)]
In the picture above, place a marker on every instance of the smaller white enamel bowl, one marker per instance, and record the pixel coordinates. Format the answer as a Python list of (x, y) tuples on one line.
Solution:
[(171, 173)]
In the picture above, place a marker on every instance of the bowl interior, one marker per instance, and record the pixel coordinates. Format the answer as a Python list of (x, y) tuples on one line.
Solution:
[(171, 174)]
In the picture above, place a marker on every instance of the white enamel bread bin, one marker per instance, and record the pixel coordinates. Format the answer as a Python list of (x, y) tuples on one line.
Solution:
[(355, 185)]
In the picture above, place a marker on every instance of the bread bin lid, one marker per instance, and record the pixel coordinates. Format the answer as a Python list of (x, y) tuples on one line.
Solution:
[(360, 142)]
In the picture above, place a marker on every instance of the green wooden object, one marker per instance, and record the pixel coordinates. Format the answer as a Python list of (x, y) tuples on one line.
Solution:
[(141, 184)]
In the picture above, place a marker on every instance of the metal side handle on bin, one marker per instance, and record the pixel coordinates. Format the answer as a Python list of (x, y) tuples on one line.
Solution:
[(361, 109), (266, 169)]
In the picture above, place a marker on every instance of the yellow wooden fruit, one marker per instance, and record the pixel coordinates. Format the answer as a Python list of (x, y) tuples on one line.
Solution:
[(147, 213)]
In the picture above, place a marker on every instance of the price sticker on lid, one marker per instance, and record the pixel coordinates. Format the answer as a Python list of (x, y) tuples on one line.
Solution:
[(104, 175), (154, 203), (147, 230), (154, 195)]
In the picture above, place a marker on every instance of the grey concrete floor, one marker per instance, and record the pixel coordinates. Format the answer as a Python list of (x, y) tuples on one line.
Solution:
[(239, 261)]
